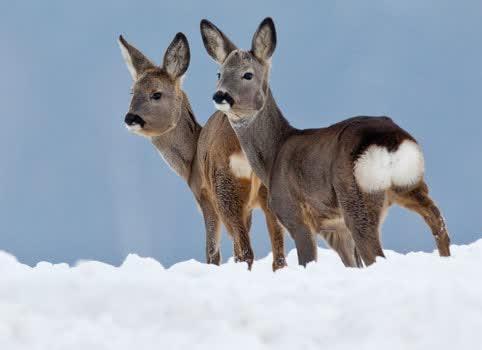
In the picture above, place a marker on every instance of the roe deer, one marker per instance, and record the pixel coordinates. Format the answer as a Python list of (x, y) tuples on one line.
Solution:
[(339, 179), (208, 158)]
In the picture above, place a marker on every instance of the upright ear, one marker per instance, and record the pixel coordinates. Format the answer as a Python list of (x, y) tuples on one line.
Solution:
[(264, 40), (177, 56), (136, 62), (216, 43)]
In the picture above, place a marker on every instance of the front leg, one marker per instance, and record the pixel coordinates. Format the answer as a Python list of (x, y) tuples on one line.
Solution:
[(275, 230), (213, 232), (231, 196), (304, 239), (241, 242), (305, 246), (291, 217)]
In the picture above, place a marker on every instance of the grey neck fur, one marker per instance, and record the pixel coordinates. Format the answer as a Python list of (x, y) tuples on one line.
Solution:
[(263, 137), (178, 146)]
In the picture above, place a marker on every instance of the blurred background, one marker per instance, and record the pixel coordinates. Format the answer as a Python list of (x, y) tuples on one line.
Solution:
[(74, 184)]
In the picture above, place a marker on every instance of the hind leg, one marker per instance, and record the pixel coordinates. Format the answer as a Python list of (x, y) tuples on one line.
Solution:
[(341, 241), (363, 215), (419, 201), (275, 230)]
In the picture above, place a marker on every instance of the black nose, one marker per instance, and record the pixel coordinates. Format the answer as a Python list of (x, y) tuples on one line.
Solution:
[(220, 97), (132, 119)]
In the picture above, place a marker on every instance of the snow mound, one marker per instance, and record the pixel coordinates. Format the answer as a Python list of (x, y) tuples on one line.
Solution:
[(413, 301)]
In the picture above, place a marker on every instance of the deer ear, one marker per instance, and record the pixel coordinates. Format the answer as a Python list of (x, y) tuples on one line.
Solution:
[(136, 62), (177, 56), (264, 40), (216, 43)]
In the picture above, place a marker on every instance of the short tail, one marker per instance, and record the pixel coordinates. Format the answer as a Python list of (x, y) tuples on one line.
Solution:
[(378, 169)]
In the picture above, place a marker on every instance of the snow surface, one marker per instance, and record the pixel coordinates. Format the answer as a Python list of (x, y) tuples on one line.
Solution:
[(413, 301)]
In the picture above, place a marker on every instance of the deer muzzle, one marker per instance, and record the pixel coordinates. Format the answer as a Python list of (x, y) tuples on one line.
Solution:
[(222, 100), (133, 119)]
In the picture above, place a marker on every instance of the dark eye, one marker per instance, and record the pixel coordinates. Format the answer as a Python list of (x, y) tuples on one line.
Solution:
[(156, 95), (248, 76), (219, 75)]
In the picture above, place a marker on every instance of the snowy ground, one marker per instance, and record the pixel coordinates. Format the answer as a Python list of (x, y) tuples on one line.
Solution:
[(414, 301)]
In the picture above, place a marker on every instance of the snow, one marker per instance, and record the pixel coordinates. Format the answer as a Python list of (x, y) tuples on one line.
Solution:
[(413, 301)]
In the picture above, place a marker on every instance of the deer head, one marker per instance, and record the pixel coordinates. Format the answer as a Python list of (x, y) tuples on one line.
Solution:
[(155, 107), (242, 87)]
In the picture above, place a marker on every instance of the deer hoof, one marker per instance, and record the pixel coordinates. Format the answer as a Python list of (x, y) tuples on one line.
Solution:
[(279, 263), (246, 258)]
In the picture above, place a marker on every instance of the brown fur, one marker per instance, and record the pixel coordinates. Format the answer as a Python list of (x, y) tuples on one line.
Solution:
[(310, 174), (200, 155)]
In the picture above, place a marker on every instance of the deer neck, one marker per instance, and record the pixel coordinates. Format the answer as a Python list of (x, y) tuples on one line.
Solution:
[(262, 137), (178, 146)]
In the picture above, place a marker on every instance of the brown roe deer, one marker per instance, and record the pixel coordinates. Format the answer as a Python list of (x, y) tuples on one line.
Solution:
[(338, 180), (208, 158)]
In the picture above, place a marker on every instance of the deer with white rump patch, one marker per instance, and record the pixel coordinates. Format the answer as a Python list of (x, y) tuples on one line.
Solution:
[(338, 180), (208, 158)]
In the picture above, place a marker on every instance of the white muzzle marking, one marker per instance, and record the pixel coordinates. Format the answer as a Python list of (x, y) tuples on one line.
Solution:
[(223, 107), (134, 128), (377, 169)]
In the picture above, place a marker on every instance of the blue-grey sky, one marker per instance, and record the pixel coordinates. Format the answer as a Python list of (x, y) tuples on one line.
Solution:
[(74, 184)]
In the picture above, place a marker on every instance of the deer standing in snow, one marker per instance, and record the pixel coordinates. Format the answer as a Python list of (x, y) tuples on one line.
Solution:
[(338, 180), (208, 158)]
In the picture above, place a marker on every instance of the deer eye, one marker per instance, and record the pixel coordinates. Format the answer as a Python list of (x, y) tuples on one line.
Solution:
[(248, 76), (156, 95), (218, 75)]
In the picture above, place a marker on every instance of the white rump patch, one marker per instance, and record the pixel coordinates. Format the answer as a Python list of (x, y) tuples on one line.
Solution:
[(240, 166), (377, 169)]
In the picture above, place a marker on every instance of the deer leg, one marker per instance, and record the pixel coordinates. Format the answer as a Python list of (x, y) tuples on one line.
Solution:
[(213, 236), (362, 213), (291, 217), (341, 241), (420, 202), (242, 245), (275, 230), (231, 196), (305, 242)]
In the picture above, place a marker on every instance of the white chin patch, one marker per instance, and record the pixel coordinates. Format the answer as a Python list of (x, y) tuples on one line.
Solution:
[(135, 128), (223, 107), (377, 169)]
